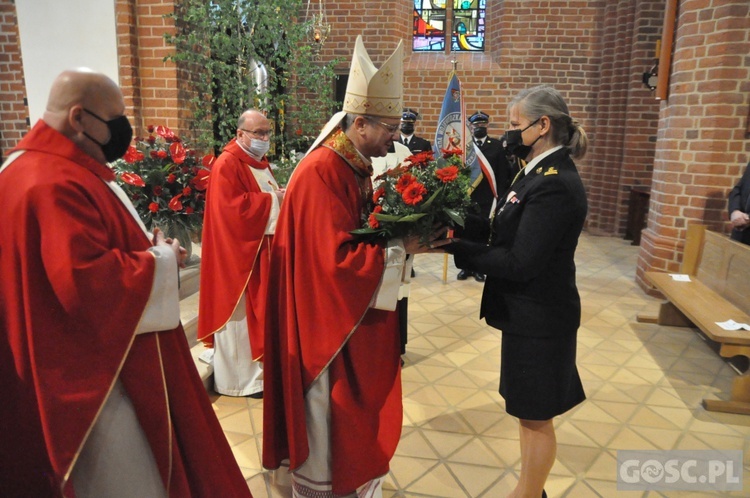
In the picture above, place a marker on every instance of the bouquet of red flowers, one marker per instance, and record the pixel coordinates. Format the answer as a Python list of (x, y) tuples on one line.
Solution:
[(165, 180), (418, 194)]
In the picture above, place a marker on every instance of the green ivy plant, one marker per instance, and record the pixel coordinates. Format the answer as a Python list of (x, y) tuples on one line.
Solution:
[(217, 46)]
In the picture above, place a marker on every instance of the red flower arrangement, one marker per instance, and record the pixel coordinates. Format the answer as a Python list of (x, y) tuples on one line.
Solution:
[(418, 194), (165, 180)]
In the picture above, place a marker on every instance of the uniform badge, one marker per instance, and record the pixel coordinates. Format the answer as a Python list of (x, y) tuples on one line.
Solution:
[(538, 170), (551, 171)]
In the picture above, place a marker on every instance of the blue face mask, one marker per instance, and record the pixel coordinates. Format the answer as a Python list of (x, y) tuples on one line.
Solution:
[(120, 134)]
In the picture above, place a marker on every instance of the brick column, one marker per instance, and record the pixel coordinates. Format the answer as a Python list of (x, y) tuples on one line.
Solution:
[(150, 85), (13, 111), (702, 145)]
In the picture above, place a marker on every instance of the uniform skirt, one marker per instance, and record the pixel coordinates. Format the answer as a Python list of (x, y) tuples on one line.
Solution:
[(538, 376)]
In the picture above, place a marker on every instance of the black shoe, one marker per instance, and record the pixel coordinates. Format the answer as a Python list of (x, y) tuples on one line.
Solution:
[(463, 275), (479, 277), (544, 494), (413, 273), (258, 395)]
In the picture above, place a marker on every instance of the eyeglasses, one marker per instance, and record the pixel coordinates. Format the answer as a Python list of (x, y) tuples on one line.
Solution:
[(259, 133), (390, 128)]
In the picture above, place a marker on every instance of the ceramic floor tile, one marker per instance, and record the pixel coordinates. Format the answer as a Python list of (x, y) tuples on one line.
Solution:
[(645, 384), (474, 479)]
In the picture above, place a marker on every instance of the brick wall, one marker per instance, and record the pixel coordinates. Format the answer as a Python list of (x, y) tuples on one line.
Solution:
[(13, 111), (626, 112), (690, 149), (702, 146), (151, 86)]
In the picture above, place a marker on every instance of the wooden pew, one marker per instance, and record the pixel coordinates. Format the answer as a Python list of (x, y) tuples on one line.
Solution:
[(719, 290)]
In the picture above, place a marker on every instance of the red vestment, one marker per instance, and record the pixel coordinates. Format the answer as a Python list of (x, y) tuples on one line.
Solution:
[(319, 318), (235, 251), (76, 277)]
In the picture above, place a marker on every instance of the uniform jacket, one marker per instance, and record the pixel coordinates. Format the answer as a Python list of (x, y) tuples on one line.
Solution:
[(495, 154), (739, 198), (530, 288), (417, 144)]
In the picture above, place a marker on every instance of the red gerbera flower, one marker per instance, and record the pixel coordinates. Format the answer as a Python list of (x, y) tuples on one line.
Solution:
[(171, 178), (380, 192), (420, 158), (451, 152), (372, 220), (413, 193), (447, 174), (153, 207), (404, 181)]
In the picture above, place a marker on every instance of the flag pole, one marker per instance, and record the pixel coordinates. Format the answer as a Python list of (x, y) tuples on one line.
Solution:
[(445, 255)]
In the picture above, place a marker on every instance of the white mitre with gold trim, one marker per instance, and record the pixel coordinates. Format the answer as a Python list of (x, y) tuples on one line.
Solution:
[(370, 91)]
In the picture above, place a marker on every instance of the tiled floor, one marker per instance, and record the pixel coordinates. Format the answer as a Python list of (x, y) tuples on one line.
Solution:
[(644, 384)]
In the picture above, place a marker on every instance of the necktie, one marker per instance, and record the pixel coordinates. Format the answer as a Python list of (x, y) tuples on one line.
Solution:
[(406, 141)]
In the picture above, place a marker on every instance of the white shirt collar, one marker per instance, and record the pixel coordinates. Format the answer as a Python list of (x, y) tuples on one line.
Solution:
[(531, 164)]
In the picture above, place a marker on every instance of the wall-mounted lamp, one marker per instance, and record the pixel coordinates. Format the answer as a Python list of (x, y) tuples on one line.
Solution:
[(651, 77)]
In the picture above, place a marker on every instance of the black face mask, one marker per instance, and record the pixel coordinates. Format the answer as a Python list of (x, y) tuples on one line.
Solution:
[(480, 132), (407, 128), (513, 142), (120, 134)]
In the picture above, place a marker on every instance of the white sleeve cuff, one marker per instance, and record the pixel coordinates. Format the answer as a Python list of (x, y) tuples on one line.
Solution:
[(163, 307), (387, 294), (274, 215)]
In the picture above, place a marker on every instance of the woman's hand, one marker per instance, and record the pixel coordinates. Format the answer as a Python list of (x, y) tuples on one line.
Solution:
[(435, 240)]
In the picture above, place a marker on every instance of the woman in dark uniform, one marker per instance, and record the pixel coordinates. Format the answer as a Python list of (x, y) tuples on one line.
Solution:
[(527, 250)]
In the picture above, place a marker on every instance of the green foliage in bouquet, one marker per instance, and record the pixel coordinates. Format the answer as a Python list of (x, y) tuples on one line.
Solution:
[(417, 195), (165, 180)]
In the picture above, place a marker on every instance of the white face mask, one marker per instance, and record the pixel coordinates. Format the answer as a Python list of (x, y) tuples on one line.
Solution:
[(258, 148)]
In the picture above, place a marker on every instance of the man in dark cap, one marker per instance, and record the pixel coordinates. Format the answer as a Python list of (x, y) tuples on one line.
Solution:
[(481, 192), (407, 137)]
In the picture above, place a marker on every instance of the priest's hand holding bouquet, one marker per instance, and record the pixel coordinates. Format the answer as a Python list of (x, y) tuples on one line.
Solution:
[(419, 198)]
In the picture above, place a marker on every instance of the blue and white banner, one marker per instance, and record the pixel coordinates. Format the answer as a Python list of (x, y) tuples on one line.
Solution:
[(451, 129)]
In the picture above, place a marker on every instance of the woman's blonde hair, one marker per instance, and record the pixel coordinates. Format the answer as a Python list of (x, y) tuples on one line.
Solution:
[(543, 100)]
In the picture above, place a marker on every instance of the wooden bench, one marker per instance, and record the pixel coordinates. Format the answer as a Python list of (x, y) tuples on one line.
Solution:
[(718, 290)]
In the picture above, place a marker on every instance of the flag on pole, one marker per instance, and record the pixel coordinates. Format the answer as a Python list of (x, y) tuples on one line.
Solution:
[(451, 129)]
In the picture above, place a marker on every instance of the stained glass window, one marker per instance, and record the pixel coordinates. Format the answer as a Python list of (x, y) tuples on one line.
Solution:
[(429, 24), (468, 25)]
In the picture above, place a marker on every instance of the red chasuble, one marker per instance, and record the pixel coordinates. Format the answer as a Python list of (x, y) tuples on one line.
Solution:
[(76, 277), (235, 252), (319, 319)]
